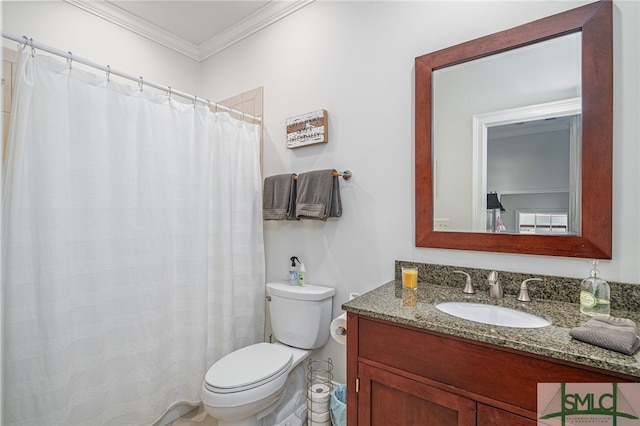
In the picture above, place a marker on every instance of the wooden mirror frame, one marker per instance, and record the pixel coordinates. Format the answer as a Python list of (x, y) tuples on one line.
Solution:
[(596, 24)]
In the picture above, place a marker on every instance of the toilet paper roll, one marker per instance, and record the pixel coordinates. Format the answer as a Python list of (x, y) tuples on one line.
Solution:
[(319, 393), (319, 417), (339, 329)]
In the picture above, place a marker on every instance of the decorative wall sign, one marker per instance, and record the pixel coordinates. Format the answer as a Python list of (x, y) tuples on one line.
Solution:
[(307, 129)]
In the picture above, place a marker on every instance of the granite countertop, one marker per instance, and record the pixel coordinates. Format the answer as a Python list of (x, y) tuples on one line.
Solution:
[(385, 302)]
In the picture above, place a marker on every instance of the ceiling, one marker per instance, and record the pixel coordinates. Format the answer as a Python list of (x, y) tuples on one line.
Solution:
[(197, 29)]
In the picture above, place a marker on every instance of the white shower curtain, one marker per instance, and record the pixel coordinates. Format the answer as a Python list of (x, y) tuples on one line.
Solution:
[(133, 252)]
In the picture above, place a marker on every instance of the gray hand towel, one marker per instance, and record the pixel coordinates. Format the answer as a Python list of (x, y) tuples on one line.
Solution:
[(279, 197), (318, 195), (617, 334)]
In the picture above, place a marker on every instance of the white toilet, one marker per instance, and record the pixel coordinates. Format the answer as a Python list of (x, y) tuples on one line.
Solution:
[(264, 384)]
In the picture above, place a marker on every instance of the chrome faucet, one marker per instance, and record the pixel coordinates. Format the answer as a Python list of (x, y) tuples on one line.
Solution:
[(495, 288), (468, 287), (524, 292)]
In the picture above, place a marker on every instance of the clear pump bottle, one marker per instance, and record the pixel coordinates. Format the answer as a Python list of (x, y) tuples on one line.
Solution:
[(293, 271), (595, 294)]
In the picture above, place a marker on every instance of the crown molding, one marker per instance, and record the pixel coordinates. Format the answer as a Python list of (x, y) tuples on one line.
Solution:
[(260, 19), (263, 17), (131, 22), (531, 128)]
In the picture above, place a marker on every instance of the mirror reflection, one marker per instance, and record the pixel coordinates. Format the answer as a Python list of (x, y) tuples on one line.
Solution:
[(531, 175), (507, 128)]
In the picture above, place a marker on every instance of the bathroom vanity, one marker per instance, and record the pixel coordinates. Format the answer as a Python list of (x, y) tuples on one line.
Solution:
[(418, 365), (406, 365)]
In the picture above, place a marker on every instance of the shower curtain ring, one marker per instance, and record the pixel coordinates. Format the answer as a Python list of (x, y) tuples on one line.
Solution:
[(108, 73), (141, 83), (70, 59), (169, 93), (21, 46)]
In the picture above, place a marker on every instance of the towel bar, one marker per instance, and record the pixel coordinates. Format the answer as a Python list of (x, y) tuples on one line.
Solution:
[(346, 175)]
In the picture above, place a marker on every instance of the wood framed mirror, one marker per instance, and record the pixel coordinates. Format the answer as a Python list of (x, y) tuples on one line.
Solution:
[(594, 238)]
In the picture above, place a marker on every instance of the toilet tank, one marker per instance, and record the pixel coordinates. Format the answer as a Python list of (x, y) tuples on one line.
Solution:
[(300, 315)]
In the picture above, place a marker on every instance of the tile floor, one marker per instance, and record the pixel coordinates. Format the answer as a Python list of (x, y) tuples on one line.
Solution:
[(197, 417)]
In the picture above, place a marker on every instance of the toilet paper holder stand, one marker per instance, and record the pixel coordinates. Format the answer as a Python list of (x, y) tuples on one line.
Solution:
[(319, 387)]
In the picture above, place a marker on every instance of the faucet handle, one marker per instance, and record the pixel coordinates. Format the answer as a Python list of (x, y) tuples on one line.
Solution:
[(468, 287), (524, 292)]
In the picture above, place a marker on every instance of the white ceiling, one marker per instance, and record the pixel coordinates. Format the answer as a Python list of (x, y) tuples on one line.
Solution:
[(198, 29)]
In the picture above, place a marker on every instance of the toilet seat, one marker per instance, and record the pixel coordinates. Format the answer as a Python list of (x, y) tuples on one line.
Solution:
[(248, 368)]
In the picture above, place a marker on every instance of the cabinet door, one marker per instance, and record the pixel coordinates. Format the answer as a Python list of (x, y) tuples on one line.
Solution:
[(491, 416), (387, 399)]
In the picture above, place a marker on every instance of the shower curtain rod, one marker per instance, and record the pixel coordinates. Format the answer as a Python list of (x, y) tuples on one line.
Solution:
[(71, 57)]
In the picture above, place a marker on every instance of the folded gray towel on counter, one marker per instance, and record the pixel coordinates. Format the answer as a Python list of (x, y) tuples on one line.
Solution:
[(617, 334), (279, 197), (318, 195)]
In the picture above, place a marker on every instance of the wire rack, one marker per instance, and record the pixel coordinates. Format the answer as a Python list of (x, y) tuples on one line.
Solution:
[(319, 387)]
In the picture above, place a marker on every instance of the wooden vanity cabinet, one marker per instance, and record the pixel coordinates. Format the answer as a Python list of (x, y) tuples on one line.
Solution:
[(491, 416), (402, 375), (387, 399)]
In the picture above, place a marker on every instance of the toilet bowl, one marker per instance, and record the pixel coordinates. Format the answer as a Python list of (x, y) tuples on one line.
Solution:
[(247, 384), (263, 384)]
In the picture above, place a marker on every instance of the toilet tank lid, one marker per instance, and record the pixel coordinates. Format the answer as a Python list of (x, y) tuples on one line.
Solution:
[(305, 292)]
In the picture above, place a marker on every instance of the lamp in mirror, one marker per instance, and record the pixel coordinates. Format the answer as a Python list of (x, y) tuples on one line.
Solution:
[(494, 207)]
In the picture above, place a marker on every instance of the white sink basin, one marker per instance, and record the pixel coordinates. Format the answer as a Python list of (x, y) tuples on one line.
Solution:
[(490, 314)]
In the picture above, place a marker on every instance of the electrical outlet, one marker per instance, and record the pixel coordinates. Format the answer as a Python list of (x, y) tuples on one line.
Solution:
[(441, 224)]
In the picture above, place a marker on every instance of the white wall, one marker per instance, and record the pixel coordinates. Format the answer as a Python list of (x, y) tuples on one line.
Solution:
[(355, 59), (68, 28)]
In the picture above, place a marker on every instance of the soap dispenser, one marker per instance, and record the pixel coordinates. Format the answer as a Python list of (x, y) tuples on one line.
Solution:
[(293, 271), (301, 274), (595, 294)]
